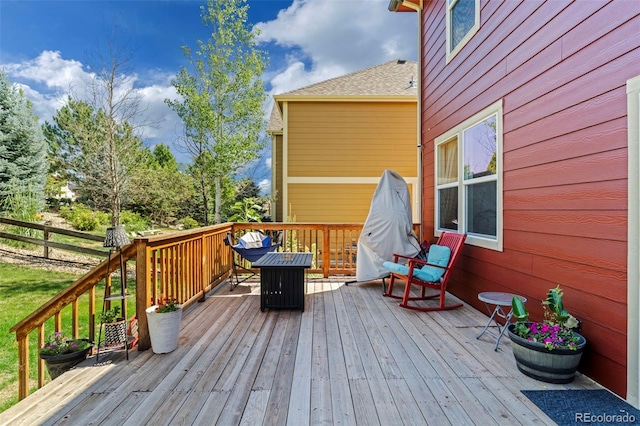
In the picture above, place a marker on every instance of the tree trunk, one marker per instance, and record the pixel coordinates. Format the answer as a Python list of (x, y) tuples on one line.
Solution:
[(218, 184), (205, 199)]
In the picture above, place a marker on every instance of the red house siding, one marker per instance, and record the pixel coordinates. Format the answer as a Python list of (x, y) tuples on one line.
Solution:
[(560, 68)]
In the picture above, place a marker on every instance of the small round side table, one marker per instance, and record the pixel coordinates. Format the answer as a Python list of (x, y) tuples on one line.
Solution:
[(499, 300)]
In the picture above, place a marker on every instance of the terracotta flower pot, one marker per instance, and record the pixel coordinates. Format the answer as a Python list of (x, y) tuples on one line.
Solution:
[(536, 361)]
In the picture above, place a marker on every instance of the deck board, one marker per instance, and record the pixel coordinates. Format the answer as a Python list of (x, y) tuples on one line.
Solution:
[(352, 357)]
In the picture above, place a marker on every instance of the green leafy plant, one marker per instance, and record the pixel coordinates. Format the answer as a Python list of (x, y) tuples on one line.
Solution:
[(58, 344), (134, 221), (247, 210), (189, 223), (557, 331), (165, 304), (83, 218), (111, 315)]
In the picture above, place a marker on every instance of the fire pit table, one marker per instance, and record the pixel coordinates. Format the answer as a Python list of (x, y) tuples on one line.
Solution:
[(282, 279)]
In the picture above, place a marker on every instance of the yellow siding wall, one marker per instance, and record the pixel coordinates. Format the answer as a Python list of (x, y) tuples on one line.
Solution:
[(331, 203), (351, 139)]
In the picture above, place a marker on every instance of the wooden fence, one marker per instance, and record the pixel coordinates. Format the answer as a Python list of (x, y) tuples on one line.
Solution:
[(48, 231)]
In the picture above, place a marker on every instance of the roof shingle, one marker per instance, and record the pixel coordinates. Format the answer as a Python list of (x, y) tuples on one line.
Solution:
[(391, 78)]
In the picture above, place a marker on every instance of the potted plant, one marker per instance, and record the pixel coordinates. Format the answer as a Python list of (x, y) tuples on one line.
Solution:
[(61, 353), (550, 350), (163, 319), (115, 326)]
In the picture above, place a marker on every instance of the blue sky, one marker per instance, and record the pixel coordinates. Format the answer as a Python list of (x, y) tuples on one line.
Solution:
[(45, 46)]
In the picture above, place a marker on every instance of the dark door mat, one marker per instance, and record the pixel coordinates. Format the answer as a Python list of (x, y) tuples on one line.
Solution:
[(592, 407)]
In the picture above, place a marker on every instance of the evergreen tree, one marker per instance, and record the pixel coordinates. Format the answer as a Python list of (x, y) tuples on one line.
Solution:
[(23, 167)]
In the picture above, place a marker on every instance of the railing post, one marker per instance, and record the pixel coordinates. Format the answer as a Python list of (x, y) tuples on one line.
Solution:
[(326, 250), (92, 314), (75, 319), (205, 265), (143, 294), (41, 365), (23, 367), (46, 244)]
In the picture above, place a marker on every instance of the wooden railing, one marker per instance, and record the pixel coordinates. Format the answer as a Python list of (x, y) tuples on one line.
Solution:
[(183, 265), (334, 246), (53, 309)]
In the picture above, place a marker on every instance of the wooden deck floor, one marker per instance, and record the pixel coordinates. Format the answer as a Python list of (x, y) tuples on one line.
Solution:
[(352, 357)]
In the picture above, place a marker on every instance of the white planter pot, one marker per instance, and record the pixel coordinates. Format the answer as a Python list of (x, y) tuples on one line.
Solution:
[(164, 329)]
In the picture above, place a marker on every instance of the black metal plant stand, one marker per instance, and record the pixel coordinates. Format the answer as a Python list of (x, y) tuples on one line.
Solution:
[(116, 237)]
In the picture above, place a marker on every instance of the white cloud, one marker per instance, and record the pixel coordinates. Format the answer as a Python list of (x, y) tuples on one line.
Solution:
[(265, 186), (336, 38), (162, 121), (49, 79), (295, 75), (49, 69)]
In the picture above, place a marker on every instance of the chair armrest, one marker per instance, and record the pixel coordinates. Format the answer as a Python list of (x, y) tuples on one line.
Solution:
[(415, 262), (397, 256)]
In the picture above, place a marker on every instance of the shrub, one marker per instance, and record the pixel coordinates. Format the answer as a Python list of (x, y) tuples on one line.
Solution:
[(133, 221), (103, 218), (66, 213), (188, 223), (81, 217), (84, 220), (21, 204)]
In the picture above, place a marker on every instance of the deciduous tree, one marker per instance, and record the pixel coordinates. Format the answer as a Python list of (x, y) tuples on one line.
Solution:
[(95, 141), (221, 99), (161, 188)]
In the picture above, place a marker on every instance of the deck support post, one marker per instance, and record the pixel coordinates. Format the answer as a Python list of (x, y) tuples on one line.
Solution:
[(143, 295)]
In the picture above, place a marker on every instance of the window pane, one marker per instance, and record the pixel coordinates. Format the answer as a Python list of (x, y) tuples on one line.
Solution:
[(448, 208), (481, 208), (448, 162), (463, 17), (480, 149)]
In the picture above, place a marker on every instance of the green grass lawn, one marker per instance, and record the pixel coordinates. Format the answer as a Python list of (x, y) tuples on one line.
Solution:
[(22, 291)]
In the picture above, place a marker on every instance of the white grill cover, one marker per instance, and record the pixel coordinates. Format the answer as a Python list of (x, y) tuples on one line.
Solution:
[(388, 228)]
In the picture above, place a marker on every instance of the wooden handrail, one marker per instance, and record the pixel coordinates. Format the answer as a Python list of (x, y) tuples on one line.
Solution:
[(71, 293), (184, 265), (53, 308)]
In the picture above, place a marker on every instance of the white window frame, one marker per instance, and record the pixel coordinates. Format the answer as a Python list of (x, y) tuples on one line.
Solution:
[(476, 240), (633, 240), (451, 53)]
